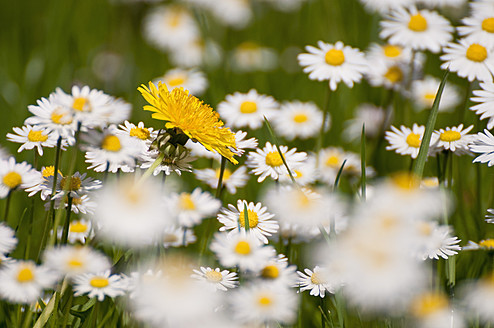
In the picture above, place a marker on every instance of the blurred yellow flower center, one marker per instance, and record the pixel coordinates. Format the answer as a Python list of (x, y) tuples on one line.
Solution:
[(413, 140), (248, 107), (425, 228), (252, 217), (48, 171), (333, 161), (75, 263), (186, 202), (99, 282), (36, 136), (58, 117), (273, 159), (76, 201), (226, 174), (25, 275), (270, 272), (78, 227), (176, 17), (394, 74), (334, 57), (430, 182), (476, 53), (300, 118), (405, 181), (213, 276), (75, 183), (303, 200), (388, 222), (12, 179), (170, 238), (111, 143), (449, 136), (316, 279), (417, 23), (487, 243), (391, 51), (242, 248), (428, 304), (265, 301), (298, 174), (175, 81), (79, 103), (488, 24), (141, 133)]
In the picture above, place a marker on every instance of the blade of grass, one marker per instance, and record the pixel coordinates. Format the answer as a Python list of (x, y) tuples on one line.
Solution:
[(246, 217), (337, 180)]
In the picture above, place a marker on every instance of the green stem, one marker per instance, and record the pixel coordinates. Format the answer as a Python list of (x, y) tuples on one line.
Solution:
[(65, 233), (7, 206), (151, 169)]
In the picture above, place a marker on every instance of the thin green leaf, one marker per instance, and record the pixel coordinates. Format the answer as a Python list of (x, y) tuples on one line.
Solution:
[(246, 217), (340, 171), (45, 315)]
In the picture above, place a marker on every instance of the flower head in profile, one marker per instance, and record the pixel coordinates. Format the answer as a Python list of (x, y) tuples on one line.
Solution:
[(190, 116)]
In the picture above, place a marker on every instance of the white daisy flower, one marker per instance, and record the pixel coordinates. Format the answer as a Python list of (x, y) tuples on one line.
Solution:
[(268, 162), (478, 298), (443, 3), (455, 139), (33, 136), (469, 60), (405, 141), (195, 53), (436, 241), (79, 231), (416, 29), (191, 208), (190, 79), (298, 120), (231, 180), (372, 116), (259, 220), (313, 281), (141, 135), (99, 285), (177, 237), (483, 143), (478, 28), (384, 6), (73, 260), (388, 74), (242, 250), (180, 163), (388, 53), (24, 281), (330, 161), (279, 271), (16, 175), (489, 218), (250, 56), (335, 63), (41, 185), (304, 174), (242, 143), (484, 244), (247, 109), (7, 239), (234, 13), (217, 279), (485, 100), (424, 92), (432, 309), (262, 304), (75, 186)]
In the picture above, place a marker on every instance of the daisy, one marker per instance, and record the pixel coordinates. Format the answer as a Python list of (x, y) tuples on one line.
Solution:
[(242, 143), (455, 139), (389, 75), (268, 162), (479, 28), (7, 239), (483, 143), (99, 285), (372, 116), (189, 79), (388, 53), (489, 218), (177, 237), (73, 260), (479, 298), (484, 244), (405, 141), (242, 250), (485, 100), (41, 185), (79, 231), (335, 63), (384, 6), (141, 135), (330, 160), (443, 3), (24, 281), (231, 180), (178, 162), (191, 208), (436, 241), (198, 52), (16, 175), (433, 310), (250, 56), (298, 120), (313, 281), (33, 136), (217, 279), (424, 92), (417, 29), (304, 174), (279, 271), (234, 13), (247, 109), (259, 220), (469, 60), (75, 185)]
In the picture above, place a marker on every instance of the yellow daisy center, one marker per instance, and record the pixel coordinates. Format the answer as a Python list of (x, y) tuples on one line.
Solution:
[(99, 282), (430, 182), (252, 217), (265, 301), (487, 243), (78, 227), (214, 276), (36, 136), (186, 202), (248, 107), (270, 272), (488, 24), (141, 133), (449, 136), (79, 104), (417, 23), (303, 200), (316, 279), (226, 174), (394, 74), (176, 81), (12, 179), (25, 275), (175, 18), (48, 171), (476, 53), (111, 143), (300, 118), (60, 117), (74, 263), (298, 174), (428, 304), (273, 159), (413, 140), (391, 51), (242, 248), (425, 228), (75, 183), (333, 161), (334, 57), (405, 181)]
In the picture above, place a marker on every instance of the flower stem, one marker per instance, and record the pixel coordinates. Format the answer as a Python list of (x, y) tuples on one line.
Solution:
[(65, 232), (7, 206), (151, 169), (219, 188)]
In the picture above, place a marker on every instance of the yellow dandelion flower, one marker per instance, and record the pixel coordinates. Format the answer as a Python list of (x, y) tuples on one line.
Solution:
[(191, 116)]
